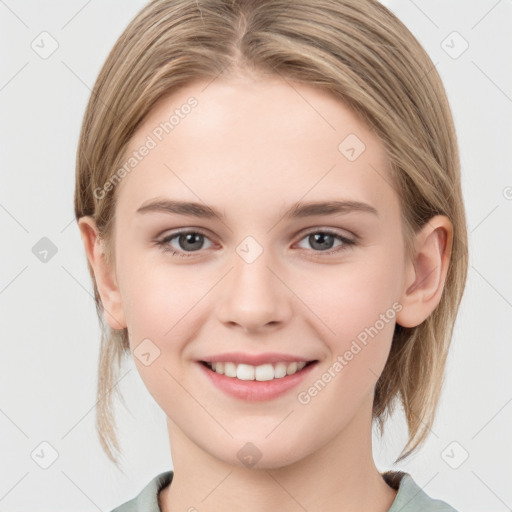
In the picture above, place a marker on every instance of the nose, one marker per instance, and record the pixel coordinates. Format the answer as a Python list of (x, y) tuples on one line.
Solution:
[(254, 296)]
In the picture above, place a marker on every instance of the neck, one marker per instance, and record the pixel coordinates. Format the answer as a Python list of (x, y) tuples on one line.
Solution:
[(340, 476)]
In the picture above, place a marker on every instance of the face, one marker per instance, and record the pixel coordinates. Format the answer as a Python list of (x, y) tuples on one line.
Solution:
[(269, 277)]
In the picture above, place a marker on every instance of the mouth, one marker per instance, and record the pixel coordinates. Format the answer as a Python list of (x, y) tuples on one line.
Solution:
[(261, 373), (250, 383)]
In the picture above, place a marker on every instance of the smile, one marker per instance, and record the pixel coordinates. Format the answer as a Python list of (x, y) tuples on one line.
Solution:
[(262, 372), (256, 383)]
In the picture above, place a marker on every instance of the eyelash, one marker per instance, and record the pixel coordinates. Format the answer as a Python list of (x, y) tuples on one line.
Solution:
[(164, 243)]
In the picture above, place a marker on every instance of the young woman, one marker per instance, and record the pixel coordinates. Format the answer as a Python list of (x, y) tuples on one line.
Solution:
[(269, 197)]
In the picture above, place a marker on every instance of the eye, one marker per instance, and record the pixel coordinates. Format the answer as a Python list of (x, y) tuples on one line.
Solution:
[(188, 241), (193, 241), (322, 240)]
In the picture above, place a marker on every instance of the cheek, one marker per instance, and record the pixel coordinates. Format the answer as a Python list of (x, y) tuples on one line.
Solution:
[(353, 296), (357, 304), (158, 302), (360, 312), (155, 296)]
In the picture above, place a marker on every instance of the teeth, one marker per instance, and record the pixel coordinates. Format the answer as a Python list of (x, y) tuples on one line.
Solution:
[(260, 373)]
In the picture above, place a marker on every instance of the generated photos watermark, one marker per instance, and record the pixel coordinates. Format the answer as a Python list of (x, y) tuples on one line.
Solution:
[(152, 140), (342, 360)]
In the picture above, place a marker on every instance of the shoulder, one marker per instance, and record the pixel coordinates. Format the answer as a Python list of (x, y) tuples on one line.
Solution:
[(147, 499), (411, 497)]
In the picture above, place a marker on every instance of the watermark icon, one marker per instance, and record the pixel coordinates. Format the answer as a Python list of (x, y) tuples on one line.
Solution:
[(44, 455), (157, 135), (146, 352), (342, 360), (507, 193), (454, 455), (44, 45), (44, 250), (351, 147), (249, 455), (249, 249), (454, 45)]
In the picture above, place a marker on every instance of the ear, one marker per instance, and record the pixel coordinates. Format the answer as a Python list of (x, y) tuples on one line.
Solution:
[(105, 277), (426, 273)]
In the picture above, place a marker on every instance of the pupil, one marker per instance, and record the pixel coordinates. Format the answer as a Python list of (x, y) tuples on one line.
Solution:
[(322, 238), (189, 239)]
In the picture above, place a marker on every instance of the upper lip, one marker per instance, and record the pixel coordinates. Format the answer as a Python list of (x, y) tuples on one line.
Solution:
[(254, 359)]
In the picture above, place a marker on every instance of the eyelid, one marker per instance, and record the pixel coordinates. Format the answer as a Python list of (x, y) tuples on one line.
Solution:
[(324, 229), (332, 231), (166, 238), (347, 241)]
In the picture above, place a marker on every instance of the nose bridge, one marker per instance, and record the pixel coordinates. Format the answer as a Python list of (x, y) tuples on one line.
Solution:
[(254, 296)]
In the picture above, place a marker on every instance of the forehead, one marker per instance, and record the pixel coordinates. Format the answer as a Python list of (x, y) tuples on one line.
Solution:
[(235, 141)]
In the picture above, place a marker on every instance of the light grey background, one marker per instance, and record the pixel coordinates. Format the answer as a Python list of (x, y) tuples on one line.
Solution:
[(49, 330)]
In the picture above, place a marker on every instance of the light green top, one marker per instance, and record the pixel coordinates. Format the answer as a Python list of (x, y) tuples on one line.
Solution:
[(410, 497)]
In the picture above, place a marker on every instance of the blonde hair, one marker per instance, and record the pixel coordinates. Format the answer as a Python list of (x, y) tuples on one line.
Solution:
[(360, 52)]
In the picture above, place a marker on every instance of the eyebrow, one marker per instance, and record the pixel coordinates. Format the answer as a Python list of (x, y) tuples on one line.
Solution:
[(298, 210)]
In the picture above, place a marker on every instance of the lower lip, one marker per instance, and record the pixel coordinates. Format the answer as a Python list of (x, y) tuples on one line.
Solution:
[(254, 390)]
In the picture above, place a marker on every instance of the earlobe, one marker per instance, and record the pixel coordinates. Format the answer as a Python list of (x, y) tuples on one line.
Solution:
[(105, 277), (426, 274)]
